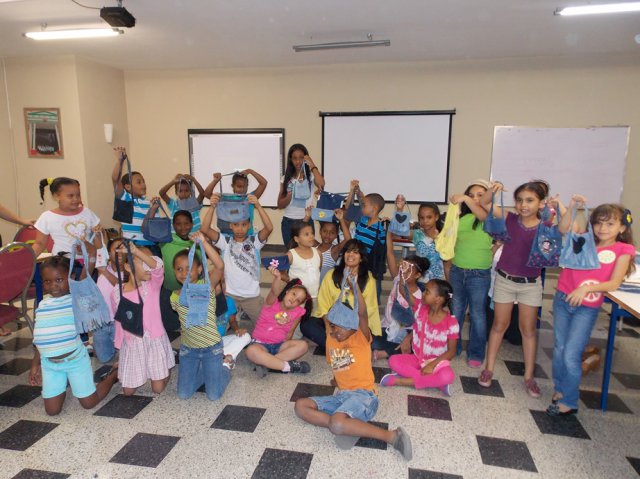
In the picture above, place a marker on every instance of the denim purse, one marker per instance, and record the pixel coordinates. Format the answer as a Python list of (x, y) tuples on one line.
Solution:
[(301, 189), (189, 204), (122, 209), (546, 247), (400, 223), (579, 249), (157, 229), (402, 314), (354, 211), (89, 308), (232, 208), (341, 314), (196, 296), (280, 262), (330, 201), (322, 215), (496, 227), (129, 314)]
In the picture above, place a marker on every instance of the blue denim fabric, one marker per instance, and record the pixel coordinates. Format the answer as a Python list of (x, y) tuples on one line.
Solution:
[(471, 289), (103, 342), (358, 404), (572, 326), (272, 349), (200, 366)]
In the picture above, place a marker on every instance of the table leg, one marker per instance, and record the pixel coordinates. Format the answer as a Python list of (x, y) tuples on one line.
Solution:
[(609, 356)]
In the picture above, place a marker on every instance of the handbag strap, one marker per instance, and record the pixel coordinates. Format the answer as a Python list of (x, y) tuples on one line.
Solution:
[(502, 203), (123, 158), (345, 280), (133, 271), (148, 215), (493, 198), (192, 253), (85, 256)]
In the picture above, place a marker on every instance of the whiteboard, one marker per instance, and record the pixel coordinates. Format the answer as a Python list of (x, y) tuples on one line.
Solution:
[(225, 151), (589, 161), (389, 152)]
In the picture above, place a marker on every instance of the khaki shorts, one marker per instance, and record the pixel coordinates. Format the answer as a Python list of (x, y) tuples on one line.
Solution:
[(251, 306), (506, 291)]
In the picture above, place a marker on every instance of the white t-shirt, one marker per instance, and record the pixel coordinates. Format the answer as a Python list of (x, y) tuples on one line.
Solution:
[(297, 212), (64, 229), (241, 265), (307, 270)]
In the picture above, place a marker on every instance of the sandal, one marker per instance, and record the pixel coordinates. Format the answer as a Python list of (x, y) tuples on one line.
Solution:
[(485, 378), (554, 411), (532, 388)]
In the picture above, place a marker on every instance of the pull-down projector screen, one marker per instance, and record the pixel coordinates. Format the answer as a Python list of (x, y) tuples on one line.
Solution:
[(389, 152)]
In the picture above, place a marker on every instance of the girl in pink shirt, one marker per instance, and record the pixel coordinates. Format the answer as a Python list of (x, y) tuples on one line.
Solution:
[(580, 295), (149, 357), (433, 338), (283, 309)]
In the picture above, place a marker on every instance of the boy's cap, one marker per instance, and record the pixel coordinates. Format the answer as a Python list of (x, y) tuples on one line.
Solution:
[(479, 182)]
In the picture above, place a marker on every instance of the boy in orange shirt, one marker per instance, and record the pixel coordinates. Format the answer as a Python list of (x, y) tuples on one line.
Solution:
[(347, 412)]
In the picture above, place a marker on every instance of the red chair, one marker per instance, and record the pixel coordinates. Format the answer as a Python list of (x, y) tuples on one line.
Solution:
[(27, 234), (17, 266)]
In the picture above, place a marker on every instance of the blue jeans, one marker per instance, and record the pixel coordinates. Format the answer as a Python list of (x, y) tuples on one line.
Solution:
[(313, 328), (200, 366), (471, 289), (103, 342), (572, 326)]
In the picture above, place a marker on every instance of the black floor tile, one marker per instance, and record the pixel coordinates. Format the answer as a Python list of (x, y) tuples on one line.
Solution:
[(124, 407), (305, 390), (173, 335), (374, 443), (548, 352), (239, 418), (379, 372), (319, 351), (516, 368), (15, 344), (147, 450), (470, 386), (24, 434), (424, 474), (630, 381), (428, 407), (16, 366), (282, 464), (38, 474), (101, 371), (19, 395), (629, 333), (568, 426), (505, 453), (591, 399), (635, 463), (545, 325)]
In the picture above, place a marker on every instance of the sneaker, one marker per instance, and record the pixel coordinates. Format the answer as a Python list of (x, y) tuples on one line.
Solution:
[(402, 443), (388, 380), (475, 364), (261, 371), (446, 390), (532, 388), (301, 367), (554, 411), (485, 378)]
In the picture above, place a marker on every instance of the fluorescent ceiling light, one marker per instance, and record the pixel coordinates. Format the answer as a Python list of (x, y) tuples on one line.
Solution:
[(338, 45), (74, 33), (602, 8)]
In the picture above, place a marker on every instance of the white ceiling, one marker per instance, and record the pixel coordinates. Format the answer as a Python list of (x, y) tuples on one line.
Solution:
[(172, 34)]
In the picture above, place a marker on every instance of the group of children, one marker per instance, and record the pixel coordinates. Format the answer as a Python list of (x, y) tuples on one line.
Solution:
[(329, 293)]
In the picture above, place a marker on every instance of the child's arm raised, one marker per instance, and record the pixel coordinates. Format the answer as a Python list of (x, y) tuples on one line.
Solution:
[(363, 316), (391, 257), (212, 254), (121, 153), (198, 186), (564, 225), (495, 187), (318, 179), (267, 226), (208, 191), (284, 199), (155, 204), (344, 226), (145, 258), (206, 229), (165, 189), (262, 181), (477, 210), (276, 286)]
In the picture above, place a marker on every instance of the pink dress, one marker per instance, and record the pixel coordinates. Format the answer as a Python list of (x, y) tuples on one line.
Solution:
[(274, 324)]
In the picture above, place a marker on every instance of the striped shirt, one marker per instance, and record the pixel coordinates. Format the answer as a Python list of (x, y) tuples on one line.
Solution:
[(197, 336), (195, 215), (133, 231), (55, 332), (367, 234)]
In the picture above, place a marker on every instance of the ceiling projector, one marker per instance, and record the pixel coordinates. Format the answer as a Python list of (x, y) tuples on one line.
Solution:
[(117, 17)]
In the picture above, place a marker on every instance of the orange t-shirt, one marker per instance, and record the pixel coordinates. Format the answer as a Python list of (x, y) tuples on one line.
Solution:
[(350, 361)]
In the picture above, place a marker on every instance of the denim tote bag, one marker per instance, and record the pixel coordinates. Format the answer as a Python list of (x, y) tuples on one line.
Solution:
[(354, 211), (341, 314), (232, 208), (579, 249), (496, 227), (189, 204), (546, 247), (129, 314), (122, 209), (280, 262), (330, 201), (322, 215), (157, 229), (402, 314), (89, 308), (196, 297), (400, 223)]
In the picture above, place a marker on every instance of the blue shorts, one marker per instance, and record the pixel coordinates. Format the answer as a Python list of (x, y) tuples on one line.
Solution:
[(75, 368), (359, 404), (271, 348)]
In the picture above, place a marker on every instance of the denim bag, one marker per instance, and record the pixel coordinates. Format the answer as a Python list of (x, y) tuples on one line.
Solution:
[(330, 201), (196, 297), (189, 204), (157, 229), (341, 314), (129, 314), (89, 308), (403, 315), (496, 227), (354, 211), (546, 247), (280, 262), (322, 215), (400, 223), (579, 249), (232, 208), (122, 209)]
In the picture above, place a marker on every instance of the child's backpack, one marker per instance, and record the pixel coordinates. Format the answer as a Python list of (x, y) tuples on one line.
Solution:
[(579, 250), (189, 204), (195, 296), (123, 209)]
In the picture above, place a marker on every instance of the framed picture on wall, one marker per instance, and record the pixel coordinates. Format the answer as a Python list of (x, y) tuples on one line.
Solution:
[(44, 132)]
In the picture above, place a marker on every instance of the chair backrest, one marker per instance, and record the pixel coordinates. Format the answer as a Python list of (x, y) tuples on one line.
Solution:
[(27, 234), (17, 266)]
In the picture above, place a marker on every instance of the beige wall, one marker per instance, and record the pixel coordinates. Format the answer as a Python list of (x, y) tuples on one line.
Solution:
[(162, 105), (8, 191)]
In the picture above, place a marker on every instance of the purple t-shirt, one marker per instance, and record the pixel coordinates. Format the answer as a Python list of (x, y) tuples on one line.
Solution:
[(515, 252)]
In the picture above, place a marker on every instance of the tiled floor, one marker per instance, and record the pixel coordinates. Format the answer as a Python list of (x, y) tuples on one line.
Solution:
[(252, 431)]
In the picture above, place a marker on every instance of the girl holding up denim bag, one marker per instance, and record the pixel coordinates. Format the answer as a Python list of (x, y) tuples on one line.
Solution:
[(580, 295)]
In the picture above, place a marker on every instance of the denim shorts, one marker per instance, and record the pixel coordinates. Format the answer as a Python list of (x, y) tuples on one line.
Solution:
[(75, 368), (358, 404), (271, 348)]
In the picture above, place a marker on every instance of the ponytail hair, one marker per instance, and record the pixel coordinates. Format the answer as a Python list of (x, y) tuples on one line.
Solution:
[(296, 228), (55, 184), (433, 207), (445, 291), (308, 302), (608, 211)]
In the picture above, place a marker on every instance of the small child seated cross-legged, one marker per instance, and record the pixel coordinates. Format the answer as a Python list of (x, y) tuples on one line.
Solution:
[(347, 412), (283, 309)]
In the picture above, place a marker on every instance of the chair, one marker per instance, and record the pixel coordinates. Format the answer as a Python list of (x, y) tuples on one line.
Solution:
[(27, 234), (17, 267)]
